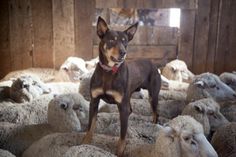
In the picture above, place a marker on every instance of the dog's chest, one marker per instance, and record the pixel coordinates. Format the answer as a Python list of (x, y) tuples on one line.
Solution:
[(109, 88)]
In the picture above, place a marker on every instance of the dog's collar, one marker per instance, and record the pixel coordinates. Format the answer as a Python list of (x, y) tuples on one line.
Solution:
[(114, 69)]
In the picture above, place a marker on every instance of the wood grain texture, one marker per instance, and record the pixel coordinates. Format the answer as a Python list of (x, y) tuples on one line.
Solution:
[(20, 34), (186, 41), (42, 33), (84, 12), (225, 50), (63, 30), (146, 35), (212, 38), (5, 56), (151, 52), (201, 36), (183, 4)]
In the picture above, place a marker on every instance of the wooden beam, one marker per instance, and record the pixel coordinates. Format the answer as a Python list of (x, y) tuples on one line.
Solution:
[(42, 33), (214, 16), (147, 4), (154, 52), (21, 47), (145, 35), (63, 30), (201, 36), (5, 56), (225, 51), (187, 28), (84, 13)]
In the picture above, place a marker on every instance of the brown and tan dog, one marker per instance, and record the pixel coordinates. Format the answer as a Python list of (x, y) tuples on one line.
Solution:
[(114, 80)]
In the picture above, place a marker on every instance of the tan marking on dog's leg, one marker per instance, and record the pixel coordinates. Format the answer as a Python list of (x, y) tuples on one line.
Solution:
[(89, 134), (116, 95), (96, 92), (120, 147)]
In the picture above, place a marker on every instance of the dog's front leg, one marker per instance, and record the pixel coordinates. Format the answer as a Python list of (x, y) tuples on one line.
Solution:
[(124, 109), (93, 110)]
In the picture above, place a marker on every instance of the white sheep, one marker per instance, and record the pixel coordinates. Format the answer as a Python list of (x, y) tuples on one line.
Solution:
[(86, 151), (181, 137), (33, 112), (173, 85), (63, 113), (209, 85), (229, 79), (224, 140), (26, 88), (177, 70), (45, 74), (5, 153), (207, 112)]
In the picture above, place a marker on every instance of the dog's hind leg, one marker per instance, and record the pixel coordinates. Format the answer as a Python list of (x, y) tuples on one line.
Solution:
[(124, 110), (93, 110), (153, 90)]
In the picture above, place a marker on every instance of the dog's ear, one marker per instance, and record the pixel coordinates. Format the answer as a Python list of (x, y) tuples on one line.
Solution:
[(101, 27), (131, 31)]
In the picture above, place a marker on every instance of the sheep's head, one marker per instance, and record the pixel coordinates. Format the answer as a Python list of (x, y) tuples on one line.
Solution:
[(209, 85), (26, 88), (177, 70), (183, 136), (207, 112), (74, 68), (229, 79), (65, 112)]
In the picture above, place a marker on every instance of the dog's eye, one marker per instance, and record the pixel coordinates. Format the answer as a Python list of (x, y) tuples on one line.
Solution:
[(111, 41)]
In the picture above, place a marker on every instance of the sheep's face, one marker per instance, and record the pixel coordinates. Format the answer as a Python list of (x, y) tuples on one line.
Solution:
[(229, 79), (177, 70), (26, 88), (182, 143), (209, 85), (74, 68), (62, 114)]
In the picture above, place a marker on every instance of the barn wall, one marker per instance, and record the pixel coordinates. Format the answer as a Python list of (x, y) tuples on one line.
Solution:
[(44, 33)]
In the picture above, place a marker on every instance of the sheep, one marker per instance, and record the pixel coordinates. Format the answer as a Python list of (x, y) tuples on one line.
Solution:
[(57, 88), (45, 74), (177, 70), (207, 112), (91, 64), (33, 112), (224, 140), (209, 85), (4, 153), (228, 109), (58, 144), (74, 67), (181, 137), (62, 117), (26, 88), (229, 79), (87, 150), (173, 84)]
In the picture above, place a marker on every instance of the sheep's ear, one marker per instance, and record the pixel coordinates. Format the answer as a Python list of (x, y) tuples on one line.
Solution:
[(64, 106), (200, 84), (131, 31), (170, 132), (77, 107), (102, 27), (198, 108)]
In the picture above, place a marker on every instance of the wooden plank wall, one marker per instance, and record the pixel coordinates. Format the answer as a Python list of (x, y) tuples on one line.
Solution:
[(43, 33)]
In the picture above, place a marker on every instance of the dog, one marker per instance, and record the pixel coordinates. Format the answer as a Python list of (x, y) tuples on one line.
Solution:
[(114, 79)]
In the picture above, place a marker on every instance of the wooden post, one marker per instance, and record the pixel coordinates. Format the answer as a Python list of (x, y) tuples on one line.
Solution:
[(20, 34), (63, 30), (84, 13), (187, 28), (201, 36), (42, 33), (5, 56)]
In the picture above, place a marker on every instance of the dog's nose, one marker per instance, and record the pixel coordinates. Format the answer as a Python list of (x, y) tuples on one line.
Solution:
[(122, 53)]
